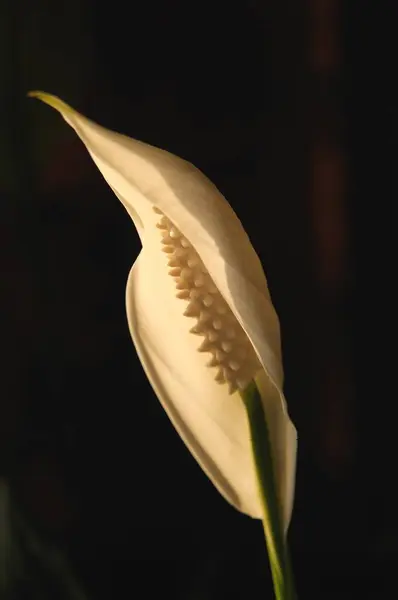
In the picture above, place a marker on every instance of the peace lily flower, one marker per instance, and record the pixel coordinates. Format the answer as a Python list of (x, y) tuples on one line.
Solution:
[(199, 312)]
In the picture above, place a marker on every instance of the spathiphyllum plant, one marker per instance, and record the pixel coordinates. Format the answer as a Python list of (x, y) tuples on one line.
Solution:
[(204, 327)]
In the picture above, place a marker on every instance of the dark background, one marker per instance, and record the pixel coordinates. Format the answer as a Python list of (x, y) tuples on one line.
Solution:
[(287, 107)]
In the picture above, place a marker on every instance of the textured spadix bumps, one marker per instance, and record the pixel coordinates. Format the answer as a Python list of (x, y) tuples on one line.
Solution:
[(232, 353), (208, 271)]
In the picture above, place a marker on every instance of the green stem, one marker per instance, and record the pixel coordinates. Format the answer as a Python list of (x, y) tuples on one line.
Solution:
[(274, 535)]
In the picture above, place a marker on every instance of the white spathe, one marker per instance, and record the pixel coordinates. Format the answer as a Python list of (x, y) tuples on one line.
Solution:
[(212, 423)]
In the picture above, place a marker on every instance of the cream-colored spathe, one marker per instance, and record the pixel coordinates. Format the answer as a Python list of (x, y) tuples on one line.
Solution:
[(213, 424)]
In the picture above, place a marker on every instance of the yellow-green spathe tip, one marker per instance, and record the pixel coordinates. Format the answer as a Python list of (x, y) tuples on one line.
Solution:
[(51, 100)]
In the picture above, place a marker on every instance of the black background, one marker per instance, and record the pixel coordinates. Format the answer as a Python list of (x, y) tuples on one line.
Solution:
[(231, 88)]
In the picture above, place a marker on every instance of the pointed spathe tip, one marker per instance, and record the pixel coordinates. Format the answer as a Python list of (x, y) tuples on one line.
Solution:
[(51, 100)]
